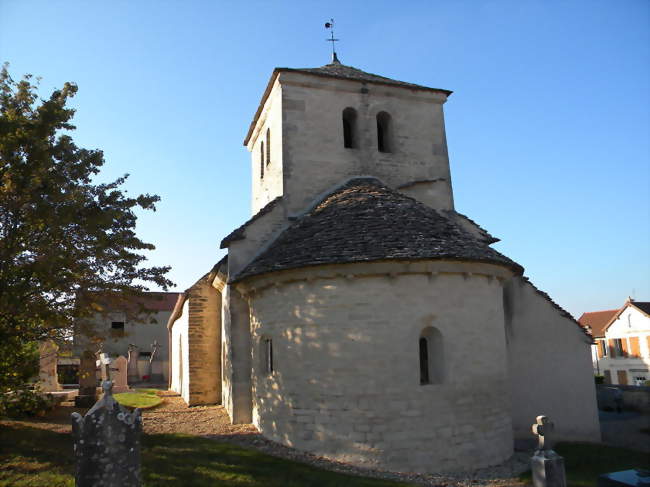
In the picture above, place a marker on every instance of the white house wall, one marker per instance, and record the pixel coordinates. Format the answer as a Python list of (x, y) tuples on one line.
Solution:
[(630, 324)]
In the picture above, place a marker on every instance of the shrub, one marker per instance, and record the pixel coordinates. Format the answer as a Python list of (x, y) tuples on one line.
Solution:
[(23, 402), (600, 379)]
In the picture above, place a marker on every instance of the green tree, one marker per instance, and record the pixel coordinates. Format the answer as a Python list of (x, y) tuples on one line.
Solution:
[(67, 245)]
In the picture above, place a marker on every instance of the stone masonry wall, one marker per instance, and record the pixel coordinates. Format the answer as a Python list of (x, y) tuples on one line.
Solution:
[(236, 357), (549, 365), (204, 343), (266, 188), (315, 160), (346, 368)]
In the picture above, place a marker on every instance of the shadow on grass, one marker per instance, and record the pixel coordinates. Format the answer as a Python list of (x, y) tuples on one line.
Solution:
[(33, 456), (584, 462)]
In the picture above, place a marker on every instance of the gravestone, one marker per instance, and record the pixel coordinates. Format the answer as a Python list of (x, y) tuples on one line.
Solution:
[(155, 364), (547, 466), (107, 444), (118, 375), (103, 363), (47, 374), (133, 374), (87, 381)]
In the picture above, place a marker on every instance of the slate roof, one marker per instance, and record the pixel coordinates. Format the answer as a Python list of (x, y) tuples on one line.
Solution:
[(643, 306), (240, 232), (341, 71), (597, 320), (365, 221)]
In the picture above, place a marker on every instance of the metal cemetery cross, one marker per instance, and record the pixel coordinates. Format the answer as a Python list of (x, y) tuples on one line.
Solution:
[(543, 428)]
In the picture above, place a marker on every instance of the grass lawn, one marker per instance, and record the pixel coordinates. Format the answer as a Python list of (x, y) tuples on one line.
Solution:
[(37, 457), (142, 398), (584, 462)]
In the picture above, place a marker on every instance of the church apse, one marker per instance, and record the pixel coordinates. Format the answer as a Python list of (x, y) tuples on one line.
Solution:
[(357, 394)]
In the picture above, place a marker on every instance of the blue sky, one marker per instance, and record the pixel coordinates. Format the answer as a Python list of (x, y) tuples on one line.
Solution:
[(548, 127)]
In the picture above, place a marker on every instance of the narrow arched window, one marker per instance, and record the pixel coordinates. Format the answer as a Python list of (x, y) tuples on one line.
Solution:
[(267, 345), (424, 361), (431, 355), (268, 146), (384, 132), (262, 160), (349, 128)]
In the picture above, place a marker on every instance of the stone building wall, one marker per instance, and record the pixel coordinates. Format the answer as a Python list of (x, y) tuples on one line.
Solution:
[(308, 157), (346, 381), (204, 341), (196, 346), (236, 350), (549, 366), (315, 158), (265, 189)]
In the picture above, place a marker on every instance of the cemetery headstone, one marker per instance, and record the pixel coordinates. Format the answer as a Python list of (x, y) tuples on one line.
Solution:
[(155, 364), (134, 354), (47, 374), (87, 381), (107, 444), (546, 465), (118, 374), (103, 363)]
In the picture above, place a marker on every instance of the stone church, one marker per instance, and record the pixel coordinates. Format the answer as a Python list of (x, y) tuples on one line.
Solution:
[(357, 315)]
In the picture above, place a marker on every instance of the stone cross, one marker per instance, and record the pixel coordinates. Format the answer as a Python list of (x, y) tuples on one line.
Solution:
[(134, 355), (103, 364), (154, 346), (118, 374), (543, 428), (87, 381), (107, 444), (47, 373), (155, 365), (547, 466)]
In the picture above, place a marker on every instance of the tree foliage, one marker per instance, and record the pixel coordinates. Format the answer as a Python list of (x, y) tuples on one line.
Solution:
[(67, 245)]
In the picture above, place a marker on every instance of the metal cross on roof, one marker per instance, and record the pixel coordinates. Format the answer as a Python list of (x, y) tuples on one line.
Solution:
[(330, 25)]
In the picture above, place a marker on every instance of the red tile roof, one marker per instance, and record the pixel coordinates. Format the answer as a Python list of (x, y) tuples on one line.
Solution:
[(597, 320), (160, 301)]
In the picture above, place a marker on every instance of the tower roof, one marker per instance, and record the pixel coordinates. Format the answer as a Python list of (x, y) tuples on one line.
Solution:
[(339, 71), (366, 221)]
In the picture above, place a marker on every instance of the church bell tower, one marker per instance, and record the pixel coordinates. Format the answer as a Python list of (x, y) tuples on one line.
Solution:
[(315, 128)]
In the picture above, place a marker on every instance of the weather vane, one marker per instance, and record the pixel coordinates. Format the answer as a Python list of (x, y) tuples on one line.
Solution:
[(330, 25)]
